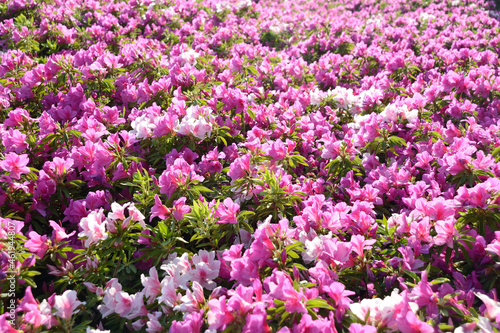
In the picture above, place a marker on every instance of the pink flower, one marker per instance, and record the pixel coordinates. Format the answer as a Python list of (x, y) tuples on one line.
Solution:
[(360, 244), (408, 322), (307, 324), (337, 292), (180, 208), (152, 286), (240, 167), (59, 166), (395, 63), (492, 311), (59, 232), (193, 300), (494, 246), (66, 304), (277, 150), (135, 215), (206, 269), (15, 164), (227, 212), (5, 324), (358, 328), (35, 313), (38, 244), (154, 325), (244, 270), (16, 117), (192, 323), (93, 228), (218, 316), (195, 123), (256, 322), (14, 140), (446, 232), (159, 210), (423, 295), (118, 211), (282, 288)]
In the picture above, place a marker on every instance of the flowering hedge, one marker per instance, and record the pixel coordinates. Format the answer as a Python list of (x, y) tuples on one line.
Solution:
[(279, 166)]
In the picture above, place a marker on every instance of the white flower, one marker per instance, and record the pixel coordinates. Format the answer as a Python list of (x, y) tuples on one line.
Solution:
[(391, 113), (410, 115), (96, 330), (243, 4), (189, 57), (195, 123), (427, 17), (380, 311), (143, 126), (316, 97)]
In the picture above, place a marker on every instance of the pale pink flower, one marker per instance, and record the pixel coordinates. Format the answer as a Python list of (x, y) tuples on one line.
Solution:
[(93, 227), (152, 286), (193, 300), (66, 304), (492, 307), (218, 315)]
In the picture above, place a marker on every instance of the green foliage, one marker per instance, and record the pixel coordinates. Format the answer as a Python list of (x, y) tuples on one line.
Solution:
[(274, 199)]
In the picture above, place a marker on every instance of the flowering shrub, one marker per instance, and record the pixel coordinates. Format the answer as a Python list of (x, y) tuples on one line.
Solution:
[(240, 166)]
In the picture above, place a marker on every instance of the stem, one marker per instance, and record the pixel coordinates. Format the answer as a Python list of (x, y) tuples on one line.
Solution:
[(117, 266), (238, 231)]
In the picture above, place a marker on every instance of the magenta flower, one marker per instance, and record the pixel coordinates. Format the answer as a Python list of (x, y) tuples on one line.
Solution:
[(358, 328), (180, 208), (423, 295), (37, 244), (227, 212), (15, 164), (159, 210), (408, 322), (59, 232)]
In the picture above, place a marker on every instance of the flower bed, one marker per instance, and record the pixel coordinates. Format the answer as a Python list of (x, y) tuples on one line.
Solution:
[(204, 166)]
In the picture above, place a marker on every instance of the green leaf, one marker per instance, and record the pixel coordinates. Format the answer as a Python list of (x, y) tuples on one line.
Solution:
[(319, 303), (163, 228), (439, 281), (444, 327), (201, 188), (251, 114)]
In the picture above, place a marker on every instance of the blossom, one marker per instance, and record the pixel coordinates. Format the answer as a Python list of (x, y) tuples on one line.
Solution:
[(66, 304), (227, 212), (15, 164), (93, 227), (159, 210), (492, 307), (38, 244)]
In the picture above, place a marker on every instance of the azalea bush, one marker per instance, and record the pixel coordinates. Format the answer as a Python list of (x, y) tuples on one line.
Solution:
[(240, 166)]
